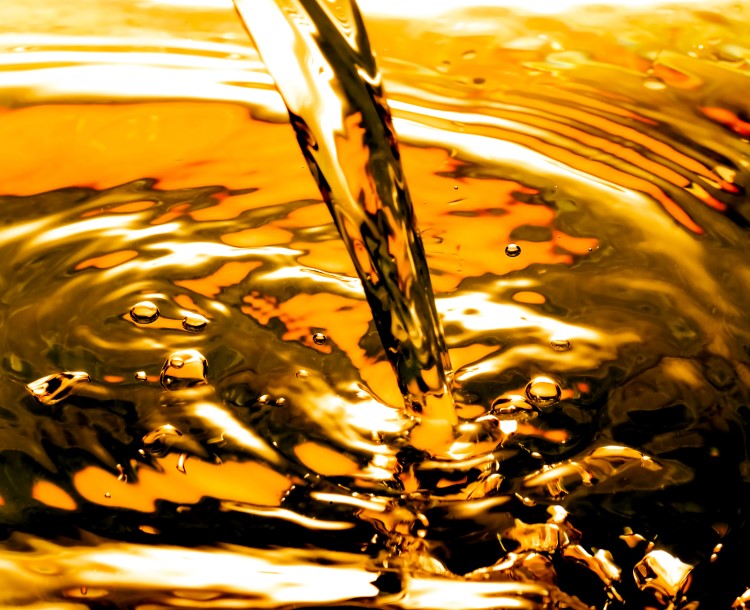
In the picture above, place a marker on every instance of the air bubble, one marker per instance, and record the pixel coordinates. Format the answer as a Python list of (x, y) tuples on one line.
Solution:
[(302, 374), (141, 376), (263, 399), (512, 250), (194, 322), (319, 338), (158, 442), (560, 345), (54, 388), (280, 402), (144, 312), (543, 391), (184, 369)]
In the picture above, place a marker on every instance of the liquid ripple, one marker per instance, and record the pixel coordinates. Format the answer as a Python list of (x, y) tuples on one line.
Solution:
[(614, 157)]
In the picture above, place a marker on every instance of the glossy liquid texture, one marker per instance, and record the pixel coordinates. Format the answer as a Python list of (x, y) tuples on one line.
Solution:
[(319, 55), (247, 447)]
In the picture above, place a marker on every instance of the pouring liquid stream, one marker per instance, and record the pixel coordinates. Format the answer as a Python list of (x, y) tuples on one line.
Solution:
[(320, 57)]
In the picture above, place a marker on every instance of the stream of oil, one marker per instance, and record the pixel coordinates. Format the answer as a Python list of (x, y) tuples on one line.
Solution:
[(320, 58), (196, 408)]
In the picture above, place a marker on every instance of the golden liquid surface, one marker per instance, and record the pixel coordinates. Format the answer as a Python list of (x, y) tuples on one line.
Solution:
[(147, 159)]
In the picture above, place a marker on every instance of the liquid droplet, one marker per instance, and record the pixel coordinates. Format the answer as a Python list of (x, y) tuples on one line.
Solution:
[(319, 339), (512, 250), (194, 322), (664, 573), (184, 369), (107, 495), (560, 345), (141, 376), (158, 442), (54, 388), (302, 374), (144, 312), (543, 391)]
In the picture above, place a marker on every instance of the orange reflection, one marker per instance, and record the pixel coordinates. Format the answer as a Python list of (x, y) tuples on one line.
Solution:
[(532, 298), (454, 221), (202, 479), (728, 119), (257, 237), (352, 319), (229, 274), (180, 144), (107, 261), (125, 208), (325, 461), (184, 301), (52, 495)]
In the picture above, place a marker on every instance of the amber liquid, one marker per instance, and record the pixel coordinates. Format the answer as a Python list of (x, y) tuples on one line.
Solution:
[(320, 57), (141, 167)]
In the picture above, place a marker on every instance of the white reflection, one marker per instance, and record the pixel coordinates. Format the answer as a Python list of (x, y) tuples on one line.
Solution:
[(288, 515), (232, 429), (270, 578), (423, 10), (497, 316), (341, 284)]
